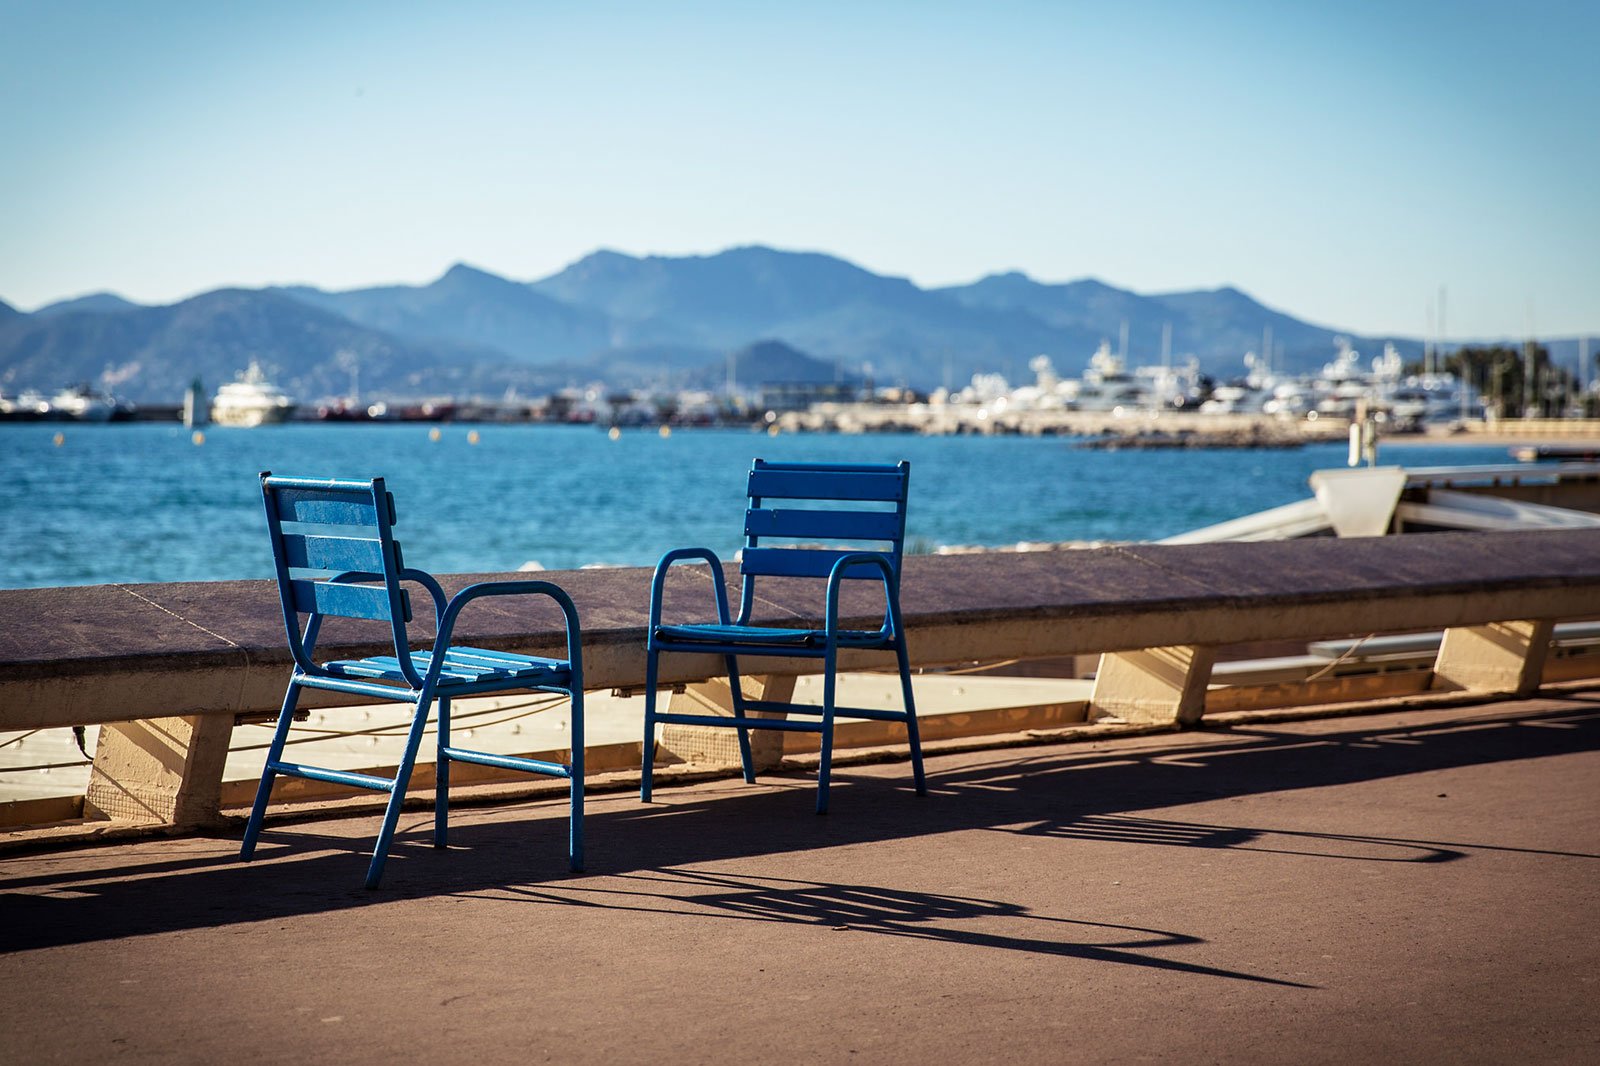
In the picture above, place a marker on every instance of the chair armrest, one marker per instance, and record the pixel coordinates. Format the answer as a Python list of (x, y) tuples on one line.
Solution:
[(836, 581), (659, 583), (447, 621), (435, 590)]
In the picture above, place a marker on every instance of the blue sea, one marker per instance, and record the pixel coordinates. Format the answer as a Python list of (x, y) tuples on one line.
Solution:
[(143, 502)]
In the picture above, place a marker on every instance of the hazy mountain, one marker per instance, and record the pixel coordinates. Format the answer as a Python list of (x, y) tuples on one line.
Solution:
[(94, 301), (467, 306), (823, 305), (1216, 326), (769, 362), (152, 353), (639, 321)]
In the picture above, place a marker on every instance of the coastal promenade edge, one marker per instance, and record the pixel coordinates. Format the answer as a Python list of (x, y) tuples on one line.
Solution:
[(171, 666)]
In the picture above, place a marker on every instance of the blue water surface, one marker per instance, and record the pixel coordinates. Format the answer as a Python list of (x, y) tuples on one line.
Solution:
[(142, 502)]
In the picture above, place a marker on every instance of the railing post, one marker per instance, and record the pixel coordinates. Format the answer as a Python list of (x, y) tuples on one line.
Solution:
[(1500, 657), (1165, 686), (161, 770), (720, 746)]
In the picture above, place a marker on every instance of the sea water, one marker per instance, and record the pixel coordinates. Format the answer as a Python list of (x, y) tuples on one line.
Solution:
[(145, 502)]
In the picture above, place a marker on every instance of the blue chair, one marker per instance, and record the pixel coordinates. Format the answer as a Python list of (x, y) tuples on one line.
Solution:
[(335, 554), (832, 504)]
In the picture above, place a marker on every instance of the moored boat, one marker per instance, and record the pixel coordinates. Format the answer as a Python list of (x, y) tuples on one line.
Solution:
[(251, 401)]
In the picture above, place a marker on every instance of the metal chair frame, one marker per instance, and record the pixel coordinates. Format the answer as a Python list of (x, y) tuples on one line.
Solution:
[(846, 487), (342, 559)]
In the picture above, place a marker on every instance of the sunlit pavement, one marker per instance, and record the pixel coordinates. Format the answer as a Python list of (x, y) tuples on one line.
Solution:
[(1417, 887)]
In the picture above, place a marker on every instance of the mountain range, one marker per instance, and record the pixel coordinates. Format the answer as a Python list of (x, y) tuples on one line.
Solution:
[(638, 321)]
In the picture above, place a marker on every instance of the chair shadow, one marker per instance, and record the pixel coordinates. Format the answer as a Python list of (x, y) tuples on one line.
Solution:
[(1063, 794), (881, 911)]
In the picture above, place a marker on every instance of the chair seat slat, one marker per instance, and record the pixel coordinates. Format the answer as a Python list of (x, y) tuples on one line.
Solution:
[(765, 635), (456, 670)]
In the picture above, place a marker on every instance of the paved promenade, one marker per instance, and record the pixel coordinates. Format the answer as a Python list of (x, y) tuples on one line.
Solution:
[(1409, 887)]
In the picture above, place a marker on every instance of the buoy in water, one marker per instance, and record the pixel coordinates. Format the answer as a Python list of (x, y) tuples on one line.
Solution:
[(472, 437), (666, 431), (197, 437), (59, 439), (434, 434), (615, 433)]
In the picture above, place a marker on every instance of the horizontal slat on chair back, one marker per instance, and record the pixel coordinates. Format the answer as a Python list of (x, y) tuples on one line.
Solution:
[(331, 507), (312, 552), (837, 525), (347, 601), (800, 562), (769, 483)]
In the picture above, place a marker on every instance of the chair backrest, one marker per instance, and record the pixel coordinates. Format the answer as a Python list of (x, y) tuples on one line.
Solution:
[(835, 510), (335, 554)]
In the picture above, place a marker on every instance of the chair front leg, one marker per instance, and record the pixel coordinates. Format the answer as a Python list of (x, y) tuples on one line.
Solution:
[(441, 780), (830, 664), (736, 700), (913, 737), (575, 769), (280, 735), (647, 757), (397, 797)]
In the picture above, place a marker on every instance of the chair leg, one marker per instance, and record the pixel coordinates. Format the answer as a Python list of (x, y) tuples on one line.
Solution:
[(575, 826), (397, 797), (736, 694), (647, 757), (912, 735), (252, 829), (441, 780), (825, 764)]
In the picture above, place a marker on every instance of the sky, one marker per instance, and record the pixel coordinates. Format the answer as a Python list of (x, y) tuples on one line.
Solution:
[(1354, 164)]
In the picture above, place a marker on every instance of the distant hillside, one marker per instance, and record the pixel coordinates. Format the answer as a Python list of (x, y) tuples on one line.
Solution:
[(95, 301), (1216, 326), (639, 322), (768, 362), (470, 307), (153, 353), (820, 304)]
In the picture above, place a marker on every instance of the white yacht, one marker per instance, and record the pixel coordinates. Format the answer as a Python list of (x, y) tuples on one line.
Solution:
[(251, 401), (81, 404)]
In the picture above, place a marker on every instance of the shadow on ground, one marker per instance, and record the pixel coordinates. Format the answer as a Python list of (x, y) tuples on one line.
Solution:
[(1065, 793)]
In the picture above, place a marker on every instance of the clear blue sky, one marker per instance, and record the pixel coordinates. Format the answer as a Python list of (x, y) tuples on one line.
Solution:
[(1338, 161)]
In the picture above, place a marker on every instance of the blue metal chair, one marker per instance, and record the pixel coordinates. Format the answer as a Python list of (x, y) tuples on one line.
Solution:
[(833, 504), (335, 554)]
